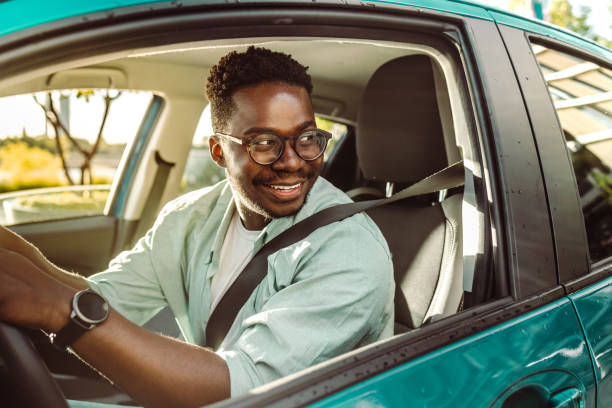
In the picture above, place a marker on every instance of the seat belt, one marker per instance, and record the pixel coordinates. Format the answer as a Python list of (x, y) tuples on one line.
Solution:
[(253, 273)]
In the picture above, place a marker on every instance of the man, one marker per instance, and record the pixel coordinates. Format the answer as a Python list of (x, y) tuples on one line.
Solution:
[(322, 296)]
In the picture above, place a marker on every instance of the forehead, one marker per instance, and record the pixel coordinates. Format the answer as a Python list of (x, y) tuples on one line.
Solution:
[(273, 105)]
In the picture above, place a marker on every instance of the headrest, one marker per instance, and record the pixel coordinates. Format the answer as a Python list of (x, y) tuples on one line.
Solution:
[(399, 133)]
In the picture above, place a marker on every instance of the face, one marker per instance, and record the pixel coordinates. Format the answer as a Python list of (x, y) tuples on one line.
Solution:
[(279, 189)]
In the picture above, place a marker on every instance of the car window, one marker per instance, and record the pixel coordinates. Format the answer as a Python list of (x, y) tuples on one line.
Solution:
[(59, 150), (581, 92), (201, 171)]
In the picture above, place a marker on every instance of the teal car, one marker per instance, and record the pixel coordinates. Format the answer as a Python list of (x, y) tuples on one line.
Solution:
[(504, 285)]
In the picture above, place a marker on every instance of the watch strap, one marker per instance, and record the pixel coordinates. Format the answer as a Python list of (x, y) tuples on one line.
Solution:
[(70, 333)]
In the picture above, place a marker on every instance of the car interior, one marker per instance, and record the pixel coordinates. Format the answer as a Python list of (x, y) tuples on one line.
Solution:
[(407, 113)]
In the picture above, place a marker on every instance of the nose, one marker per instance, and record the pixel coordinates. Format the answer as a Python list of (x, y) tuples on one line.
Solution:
[(288, 161)]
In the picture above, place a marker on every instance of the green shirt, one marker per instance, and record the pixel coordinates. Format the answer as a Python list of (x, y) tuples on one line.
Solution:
[(322, 296)]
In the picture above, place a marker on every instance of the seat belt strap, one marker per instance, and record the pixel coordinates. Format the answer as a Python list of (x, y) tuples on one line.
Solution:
[(253, 273)]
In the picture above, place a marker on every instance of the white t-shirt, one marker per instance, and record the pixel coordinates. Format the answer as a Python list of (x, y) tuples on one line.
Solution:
[(235, 254)]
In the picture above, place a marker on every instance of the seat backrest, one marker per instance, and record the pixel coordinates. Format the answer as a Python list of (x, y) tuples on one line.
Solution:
[(400, 141)]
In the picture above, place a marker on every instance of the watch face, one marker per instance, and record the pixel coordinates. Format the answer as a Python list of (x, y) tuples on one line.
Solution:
[(91, 307)]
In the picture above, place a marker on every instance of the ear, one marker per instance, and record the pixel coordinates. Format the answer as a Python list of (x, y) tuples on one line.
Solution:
[(216, 151)]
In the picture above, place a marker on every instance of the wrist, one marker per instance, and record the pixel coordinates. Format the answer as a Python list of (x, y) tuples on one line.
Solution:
[(87, 310), (60, 312)]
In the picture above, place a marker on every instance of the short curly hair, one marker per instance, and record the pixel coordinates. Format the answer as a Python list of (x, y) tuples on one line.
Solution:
[(252, 67)]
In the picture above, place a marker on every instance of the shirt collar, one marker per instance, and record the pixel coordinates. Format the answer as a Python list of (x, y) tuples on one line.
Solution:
[(274, 227)]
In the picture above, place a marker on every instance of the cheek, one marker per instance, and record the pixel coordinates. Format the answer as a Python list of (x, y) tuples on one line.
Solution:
[(316, 165), (236, 160), (240, 167)]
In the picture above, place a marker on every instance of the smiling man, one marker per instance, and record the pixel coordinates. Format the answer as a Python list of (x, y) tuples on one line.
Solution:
[(322, 296)]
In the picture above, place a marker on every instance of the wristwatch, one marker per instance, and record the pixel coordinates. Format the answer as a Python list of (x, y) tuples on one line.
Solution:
[(89, 309)]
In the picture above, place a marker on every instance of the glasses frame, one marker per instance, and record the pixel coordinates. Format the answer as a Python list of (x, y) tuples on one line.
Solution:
[(247, 142)]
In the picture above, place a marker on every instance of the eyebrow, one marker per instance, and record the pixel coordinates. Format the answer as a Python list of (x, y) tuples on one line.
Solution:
[(258, 130)]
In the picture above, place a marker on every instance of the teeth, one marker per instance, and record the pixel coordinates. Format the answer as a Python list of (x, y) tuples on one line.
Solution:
[(284, 188)]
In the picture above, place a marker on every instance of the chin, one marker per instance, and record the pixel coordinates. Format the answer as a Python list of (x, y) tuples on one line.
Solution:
[(270, 209), (284, 212)]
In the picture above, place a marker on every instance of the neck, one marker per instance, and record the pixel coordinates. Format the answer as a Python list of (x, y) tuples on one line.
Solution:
[(251, 220)]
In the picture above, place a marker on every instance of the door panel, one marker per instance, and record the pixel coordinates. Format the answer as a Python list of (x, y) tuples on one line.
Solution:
[(594, 306), (542, 353), (82, 245)]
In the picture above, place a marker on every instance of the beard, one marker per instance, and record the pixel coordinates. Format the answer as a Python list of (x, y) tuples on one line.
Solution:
[(254, 205)]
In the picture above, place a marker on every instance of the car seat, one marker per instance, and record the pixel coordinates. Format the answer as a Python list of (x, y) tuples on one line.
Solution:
[(399, 142)]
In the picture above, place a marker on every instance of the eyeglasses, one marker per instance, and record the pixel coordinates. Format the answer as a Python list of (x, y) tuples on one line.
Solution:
[(266, 148)]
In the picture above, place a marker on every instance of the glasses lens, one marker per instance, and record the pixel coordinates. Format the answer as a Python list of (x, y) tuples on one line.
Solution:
[(310, 144), (265, 148)]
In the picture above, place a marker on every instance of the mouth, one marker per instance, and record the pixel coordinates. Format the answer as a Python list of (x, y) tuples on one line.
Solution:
[(284, 191)]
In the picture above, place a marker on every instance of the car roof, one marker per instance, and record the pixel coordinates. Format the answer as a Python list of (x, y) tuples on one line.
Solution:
[(16, 15)]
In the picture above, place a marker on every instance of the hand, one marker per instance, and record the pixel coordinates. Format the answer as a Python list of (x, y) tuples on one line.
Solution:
[(16, 244), (30, 297), (13, 242)]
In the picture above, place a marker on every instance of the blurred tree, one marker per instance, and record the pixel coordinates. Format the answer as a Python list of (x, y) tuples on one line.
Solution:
[(23, 166), (560, 13), (42, 142), (86, 151)]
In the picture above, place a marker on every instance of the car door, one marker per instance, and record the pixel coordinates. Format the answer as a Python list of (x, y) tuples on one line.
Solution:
[(576, 163), (526, 349)]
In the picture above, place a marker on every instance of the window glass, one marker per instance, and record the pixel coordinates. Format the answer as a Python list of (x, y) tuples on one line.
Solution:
[(337, 129), (201, 171), (59, 150), (582, 94)]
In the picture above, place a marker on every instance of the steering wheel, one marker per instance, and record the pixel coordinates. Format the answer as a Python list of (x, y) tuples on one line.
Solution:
[(25, 373)]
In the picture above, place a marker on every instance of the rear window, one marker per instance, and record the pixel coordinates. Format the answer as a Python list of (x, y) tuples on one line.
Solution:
[(582, 94)]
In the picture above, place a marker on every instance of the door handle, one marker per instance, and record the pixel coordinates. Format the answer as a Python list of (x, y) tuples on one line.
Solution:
[(536, 396), (568, 398)]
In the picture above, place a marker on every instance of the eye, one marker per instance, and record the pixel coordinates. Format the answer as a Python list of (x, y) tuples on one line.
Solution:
[(264, 141), (307, 137)]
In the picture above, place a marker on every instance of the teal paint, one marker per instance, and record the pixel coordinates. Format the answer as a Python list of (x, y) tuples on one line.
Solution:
[(594, 306), (544, 349), (17, 15), (463, 8), (537, 9)]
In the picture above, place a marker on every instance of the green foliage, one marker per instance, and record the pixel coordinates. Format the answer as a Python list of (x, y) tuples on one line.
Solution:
[(560, 13), (32, 162), (200, 170), (85, 93), (336, 128), (324, 124), (25, 167), (41, 142), (28, 183)]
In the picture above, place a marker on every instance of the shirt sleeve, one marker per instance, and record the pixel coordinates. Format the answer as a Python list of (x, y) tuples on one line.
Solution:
[(131, 283), (338, 296)]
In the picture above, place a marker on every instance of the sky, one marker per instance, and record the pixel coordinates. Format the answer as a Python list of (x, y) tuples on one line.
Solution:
[(19, 113)]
